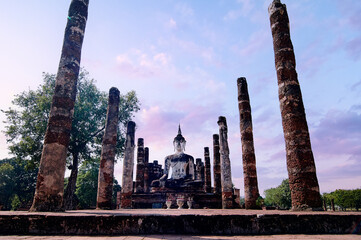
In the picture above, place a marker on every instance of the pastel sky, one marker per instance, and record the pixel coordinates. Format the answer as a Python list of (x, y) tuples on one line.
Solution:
[(183, 59)]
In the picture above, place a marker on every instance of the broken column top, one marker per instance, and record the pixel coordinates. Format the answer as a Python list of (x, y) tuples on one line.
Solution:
[(131, 131), (215, 136), (146, 154), (114, 96), (140, 142), (222, 120), (275, 6), (130, 126), (242, 88), (241, 79), (114, 91), (206, 149)]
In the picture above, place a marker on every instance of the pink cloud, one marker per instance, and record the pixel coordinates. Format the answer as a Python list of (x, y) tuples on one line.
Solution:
[(351, 11), (137, 64), (256, 43), (353, 47), (355, 86), (336, 147), (206, 53), (246, 7), (184, 10), (172, 24)]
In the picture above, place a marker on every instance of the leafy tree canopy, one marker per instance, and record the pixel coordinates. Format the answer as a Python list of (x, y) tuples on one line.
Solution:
[(26, 122), (279, 196), (87, 184), (345, 199), (17, 184)]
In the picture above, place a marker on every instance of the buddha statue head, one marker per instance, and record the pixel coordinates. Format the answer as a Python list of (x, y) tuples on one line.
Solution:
[(179, 142)]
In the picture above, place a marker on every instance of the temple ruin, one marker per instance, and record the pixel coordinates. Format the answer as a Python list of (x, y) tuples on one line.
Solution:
[(182, 183)]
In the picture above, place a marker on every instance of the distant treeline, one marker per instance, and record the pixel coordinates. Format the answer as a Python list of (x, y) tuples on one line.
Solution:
[(344, 199), (280, 197)]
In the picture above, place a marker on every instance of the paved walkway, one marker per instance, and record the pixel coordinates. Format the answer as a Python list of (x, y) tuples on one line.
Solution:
[(184, 237)]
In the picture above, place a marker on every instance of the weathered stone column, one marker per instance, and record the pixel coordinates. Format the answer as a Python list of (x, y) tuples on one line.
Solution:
[(139, 179), (207, 171), (333, 204), (50, 182), (216, 165), (128, 163), (251, 192), (301, 168), (199, 174), (119, 194), (146, 170), (106, 168), (226, 176)]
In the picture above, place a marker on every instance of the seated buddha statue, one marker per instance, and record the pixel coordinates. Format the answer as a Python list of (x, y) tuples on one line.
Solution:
[(178, 167)]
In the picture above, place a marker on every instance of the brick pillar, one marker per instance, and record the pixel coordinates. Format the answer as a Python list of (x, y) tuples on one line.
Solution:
[(199, 173), (128, 163), (50, 182), (207, 171), (139, 180), (226, 177), (106, 168), (119, 194), (333, 204), (146, 170), (216, 165), (301, 167), (251, 192)]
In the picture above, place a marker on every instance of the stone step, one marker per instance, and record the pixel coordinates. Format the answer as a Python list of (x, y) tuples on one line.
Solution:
[(187, 221)]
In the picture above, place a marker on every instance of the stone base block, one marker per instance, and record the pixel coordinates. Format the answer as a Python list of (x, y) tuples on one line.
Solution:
[(173, 221)]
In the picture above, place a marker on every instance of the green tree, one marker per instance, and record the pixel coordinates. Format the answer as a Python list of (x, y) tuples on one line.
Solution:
[(87, 184), (357, 197), (6, 184), (279, 196), (344, 198), (15, 202), (26, 125), (16, 179), (327, 197)]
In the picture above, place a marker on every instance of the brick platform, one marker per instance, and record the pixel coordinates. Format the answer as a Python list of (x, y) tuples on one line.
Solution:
[(186, 221)]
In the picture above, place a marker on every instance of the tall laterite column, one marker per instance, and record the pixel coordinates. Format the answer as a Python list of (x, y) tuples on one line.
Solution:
[(301, 167)]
